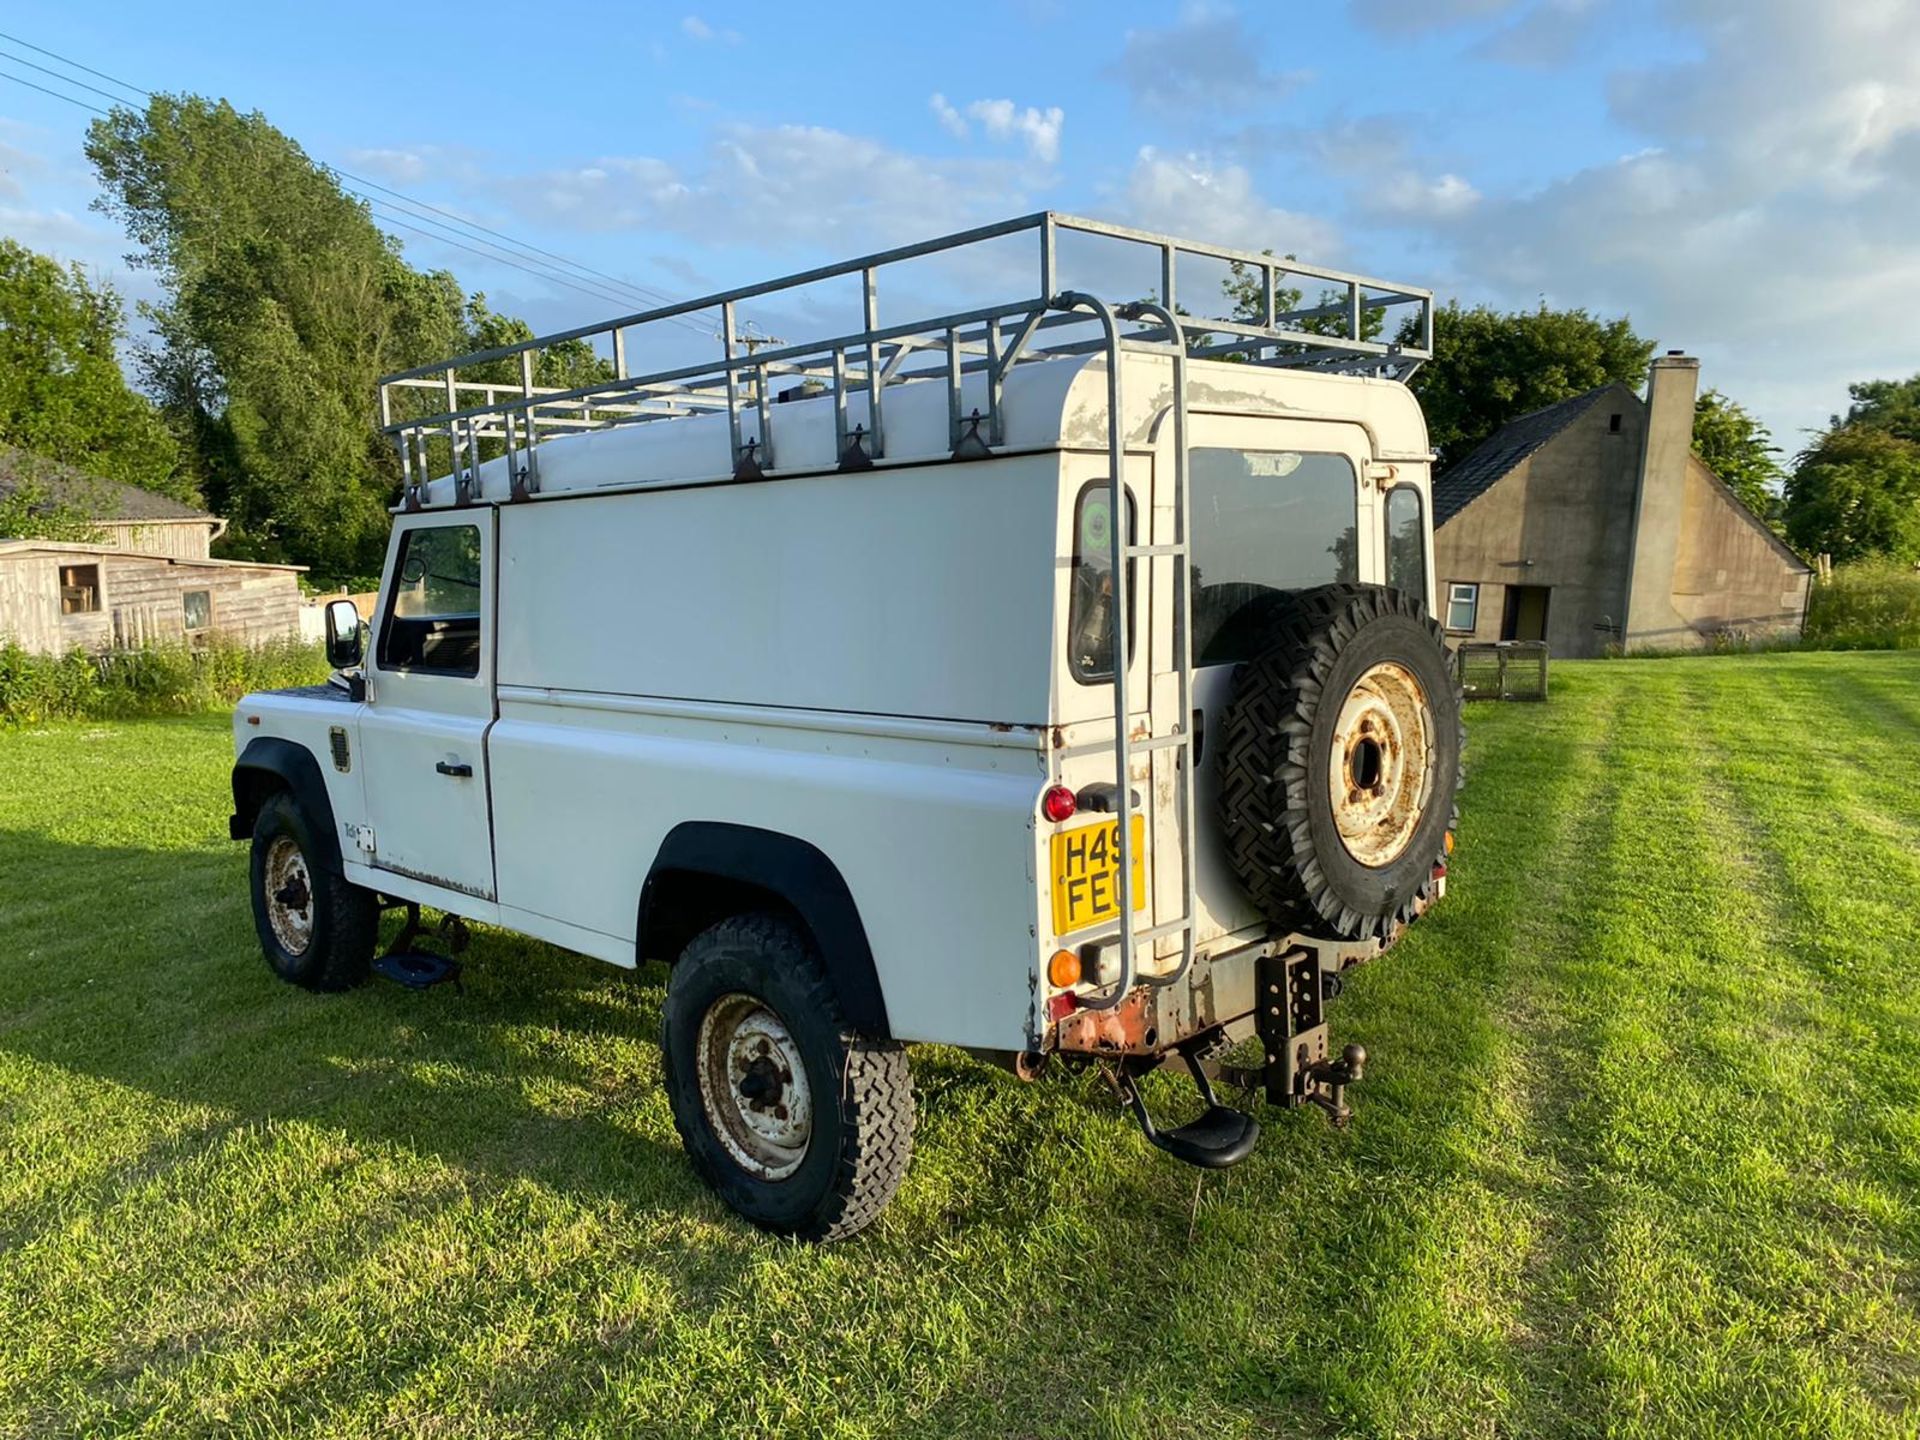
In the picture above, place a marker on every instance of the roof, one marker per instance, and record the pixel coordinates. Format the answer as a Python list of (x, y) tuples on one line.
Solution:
[(82, 547), (95, 497), (1501, 451)]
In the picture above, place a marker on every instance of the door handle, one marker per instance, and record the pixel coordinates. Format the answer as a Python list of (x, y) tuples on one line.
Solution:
[(460, 772)]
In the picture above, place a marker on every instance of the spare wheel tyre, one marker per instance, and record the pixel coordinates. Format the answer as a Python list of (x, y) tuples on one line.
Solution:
[(1341, 747)]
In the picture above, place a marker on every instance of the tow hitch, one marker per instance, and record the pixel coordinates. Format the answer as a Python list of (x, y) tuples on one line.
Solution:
[(1289, 1017)]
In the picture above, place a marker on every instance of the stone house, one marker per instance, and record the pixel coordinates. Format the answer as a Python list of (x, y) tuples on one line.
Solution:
[(1591, 524)]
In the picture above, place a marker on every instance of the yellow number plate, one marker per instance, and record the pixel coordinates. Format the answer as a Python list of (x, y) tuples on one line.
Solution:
[(1086, 874)]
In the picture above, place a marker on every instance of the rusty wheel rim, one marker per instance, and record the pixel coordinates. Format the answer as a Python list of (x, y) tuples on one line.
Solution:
[(753, 1086), (289, 889), (1381, 775)]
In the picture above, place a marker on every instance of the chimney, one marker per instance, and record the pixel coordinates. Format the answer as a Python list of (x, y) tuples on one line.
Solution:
[(1651, 620)]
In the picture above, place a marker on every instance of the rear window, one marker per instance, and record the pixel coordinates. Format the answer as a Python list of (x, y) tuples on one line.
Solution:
[(1265, 522)]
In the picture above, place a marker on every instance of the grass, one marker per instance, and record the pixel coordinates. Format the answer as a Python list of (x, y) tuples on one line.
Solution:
[(1638, 1153), (1868, 605)]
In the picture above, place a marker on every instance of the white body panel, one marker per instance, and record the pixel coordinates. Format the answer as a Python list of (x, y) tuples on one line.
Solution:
[(872, 662)]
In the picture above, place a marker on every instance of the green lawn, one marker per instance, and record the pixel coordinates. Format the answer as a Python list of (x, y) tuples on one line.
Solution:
[(1638, 1151)]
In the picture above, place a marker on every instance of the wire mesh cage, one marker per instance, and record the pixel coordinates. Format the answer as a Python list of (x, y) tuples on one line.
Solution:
[(1506, 670)]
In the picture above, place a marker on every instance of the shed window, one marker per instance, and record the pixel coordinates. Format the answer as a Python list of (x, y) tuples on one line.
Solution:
[(79, 589), (1463, 605), (197, 610)]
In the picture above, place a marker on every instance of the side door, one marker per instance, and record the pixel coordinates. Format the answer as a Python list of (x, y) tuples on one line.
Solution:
[(430, 702)]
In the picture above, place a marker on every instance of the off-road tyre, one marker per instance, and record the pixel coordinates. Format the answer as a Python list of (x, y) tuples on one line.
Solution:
[(342, 920), (861, 1093), (1276, 738)]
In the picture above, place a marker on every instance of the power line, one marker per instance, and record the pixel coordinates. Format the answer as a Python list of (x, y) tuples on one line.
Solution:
[(538, 269), (19, 80), (73, 64)]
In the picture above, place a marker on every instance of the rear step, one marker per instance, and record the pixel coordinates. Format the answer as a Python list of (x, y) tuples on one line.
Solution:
[(1219, 1138)]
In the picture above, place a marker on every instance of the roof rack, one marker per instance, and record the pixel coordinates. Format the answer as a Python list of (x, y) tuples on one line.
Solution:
[(471, 416)]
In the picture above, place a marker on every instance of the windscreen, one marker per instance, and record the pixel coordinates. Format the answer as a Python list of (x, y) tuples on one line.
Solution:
[(1264, 522)]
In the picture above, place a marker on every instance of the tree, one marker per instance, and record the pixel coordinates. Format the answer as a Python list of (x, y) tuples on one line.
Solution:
[(1245, 287), (1489, 368), (284, 304), (1892, 406), (62, 393), (1738, 449), (1856, 493)]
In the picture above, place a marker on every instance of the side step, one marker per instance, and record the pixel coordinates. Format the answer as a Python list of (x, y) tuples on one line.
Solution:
[(1221, 1137)]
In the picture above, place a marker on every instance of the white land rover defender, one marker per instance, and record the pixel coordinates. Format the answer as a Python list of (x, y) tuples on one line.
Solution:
[(840, 676)]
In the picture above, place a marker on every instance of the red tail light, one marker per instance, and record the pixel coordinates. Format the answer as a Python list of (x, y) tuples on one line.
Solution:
[(1058, 804)]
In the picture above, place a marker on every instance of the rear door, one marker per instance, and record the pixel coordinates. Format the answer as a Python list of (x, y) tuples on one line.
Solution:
[(430, 703), (1276, 505)]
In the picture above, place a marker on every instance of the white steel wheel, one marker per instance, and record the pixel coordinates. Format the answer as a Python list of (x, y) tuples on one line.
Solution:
[(1381, 776), (753, 1086), (289, 895)]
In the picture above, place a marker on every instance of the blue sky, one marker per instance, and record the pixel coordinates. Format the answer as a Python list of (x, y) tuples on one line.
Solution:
[(1741, 176)]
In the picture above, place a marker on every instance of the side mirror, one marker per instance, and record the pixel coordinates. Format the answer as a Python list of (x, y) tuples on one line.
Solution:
[(343, 634)]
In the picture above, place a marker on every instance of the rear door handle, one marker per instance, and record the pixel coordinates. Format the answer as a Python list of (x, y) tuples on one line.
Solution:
[(462, 772)]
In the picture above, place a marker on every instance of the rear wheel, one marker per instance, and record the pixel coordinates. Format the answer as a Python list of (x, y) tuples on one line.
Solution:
[(800, 1127), (316, 930)]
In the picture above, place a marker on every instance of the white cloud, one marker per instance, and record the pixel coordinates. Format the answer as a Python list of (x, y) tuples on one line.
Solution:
[(1206, 62), (1768, 221), (777, 188), (400, 166), (1191, 195), (1397, 16), (951, 120), (1404, 195), (1004, 120), (694, 28)]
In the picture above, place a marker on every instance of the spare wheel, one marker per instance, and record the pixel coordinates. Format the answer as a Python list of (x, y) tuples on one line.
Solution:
[(1341, 746)]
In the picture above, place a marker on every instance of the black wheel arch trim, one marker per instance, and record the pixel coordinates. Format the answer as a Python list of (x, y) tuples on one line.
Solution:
[(274, 759), (795, 872)]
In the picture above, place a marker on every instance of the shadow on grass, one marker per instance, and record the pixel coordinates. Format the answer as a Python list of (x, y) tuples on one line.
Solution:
[(140, 967)]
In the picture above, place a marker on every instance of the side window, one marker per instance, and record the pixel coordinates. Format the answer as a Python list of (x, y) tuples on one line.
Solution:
[(432, 622), (1090, 602), (1463, 605), (1406, 543)]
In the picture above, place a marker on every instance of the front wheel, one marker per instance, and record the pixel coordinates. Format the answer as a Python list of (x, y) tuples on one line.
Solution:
[(316, 930), (800, 1127)]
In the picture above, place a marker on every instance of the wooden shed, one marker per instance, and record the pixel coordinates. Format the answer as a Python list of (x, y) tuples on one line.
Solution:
[(144, 575)]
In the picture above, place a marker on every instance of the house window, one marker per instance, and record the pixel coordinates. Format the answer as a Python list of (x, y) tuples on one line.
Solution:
[(79, 589), (1463, 605), (197, 610), (1613, 424)]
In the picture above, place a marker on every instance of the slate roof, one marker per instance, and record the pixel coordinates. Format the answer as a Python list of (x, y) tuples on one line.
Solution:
[(1501, 451), (96, 498)]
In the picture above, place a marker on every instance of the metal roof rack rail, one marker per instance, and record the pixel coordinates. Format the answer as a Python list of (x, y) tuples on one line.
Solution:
[(446, 416)]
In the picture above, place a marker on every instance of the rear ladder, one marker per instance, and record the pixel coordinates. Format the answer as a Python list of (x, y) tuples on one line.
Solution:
[(1176, 743)]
